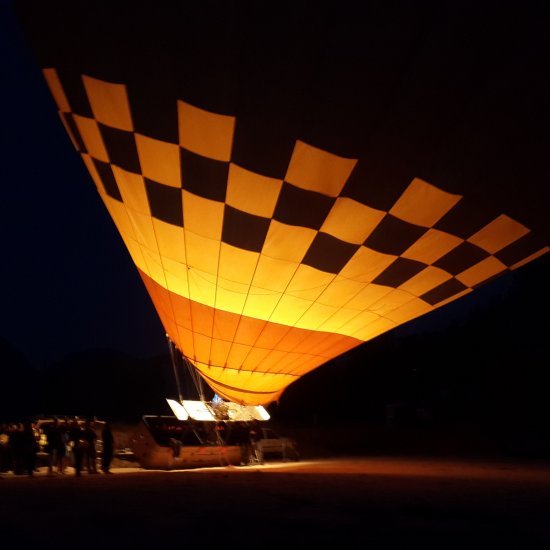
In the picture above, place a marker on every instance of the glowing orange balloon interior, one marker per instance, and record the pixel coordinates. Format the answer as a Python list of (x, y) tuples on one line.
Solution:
[(260, 280)]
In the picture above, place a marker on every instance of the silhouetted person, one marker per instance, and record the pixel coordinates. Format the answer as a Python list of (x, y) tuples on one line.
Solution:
[(29, 447), (108, 448), (78, 444), (90, 437), (255, 434), (56, 447), (17, 444)]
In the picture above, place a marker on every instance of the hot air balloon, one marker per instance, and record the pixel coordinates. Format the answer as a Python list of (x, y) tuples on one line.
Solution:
[(293, 181)]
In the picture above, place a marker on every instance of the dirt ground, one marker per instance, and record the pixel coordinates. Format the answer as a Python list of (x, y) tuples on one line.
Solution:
[(379, 503)]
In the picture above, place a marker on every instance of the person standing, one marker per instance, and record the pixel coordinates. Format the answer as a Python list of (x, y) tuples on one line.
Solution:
[(90, 437), (78, 444), (108, 448)]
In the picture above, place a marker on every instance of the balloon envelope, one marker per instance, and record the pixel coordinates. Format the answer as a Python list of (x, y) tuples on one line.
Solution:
[(293, 184)]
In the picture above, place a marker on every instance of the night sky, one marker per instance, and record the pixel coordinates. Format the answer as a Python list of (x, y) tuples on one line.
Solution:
[(68, 283)]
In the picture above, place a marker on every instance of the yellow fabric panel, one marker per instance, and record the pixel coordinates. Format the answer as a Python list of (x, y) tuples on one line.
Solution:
[(358, 322), (409, 311), (366, 264), (532, 257), (331, 347), (339, 319), (249, 330), (431, 246), (291, 361), (163, 301), (232, 286), (203, 216), (315, 316), (132, 190), (202, 347), (159, 160), (171, 240), (182, 310), (423, 204), (202, 287), (89, 131), (501, 232), (271, 335), (237, 355), (255, 358), (205, 133), (155, 268), (272, 362), (176, 276), (287, 242), (186, 341), (109, 103), (56, 90), (370, 295), (374, 329), (340, 292), (427, 279), (317, 170), (481, 271), (252, 381), (202, 319), (93, 172), (69, 131), (289, 310), (219, 352), (135, 252), (392, 300), (201, 253), (260, 303), (225, 325), (144, 230), (307, 365), (237, 264), (293, 340), (308, 283), (228, 299), (251, 192), (119, 214), (272, 274), (351, 221)]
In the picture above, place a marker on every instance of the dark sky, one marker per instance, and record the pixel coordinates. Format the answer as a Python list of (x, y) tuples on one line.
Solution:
[(68, 282)]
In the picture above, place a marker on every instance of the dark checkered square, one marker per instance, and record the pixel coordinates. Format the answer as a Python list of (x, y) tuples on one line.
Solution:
[(443, 292), (165, 202), (370, 184), (121, 147), (399, 272), (71, 125), (152, 115), (465, 255), (329, 254), (303, 208), (522, 248), (393, 236), (203, 176), (75, 92), (108, 179), (466, 218), (244, 230)]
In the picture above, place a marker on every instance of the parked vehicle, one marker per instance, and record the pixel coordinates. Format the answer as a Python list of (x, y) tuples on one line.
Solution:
[(272, 444)]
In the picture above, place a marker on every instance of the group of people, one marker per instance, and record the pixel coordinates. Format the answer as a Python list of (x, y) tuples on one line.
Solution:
[(70, 441)]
